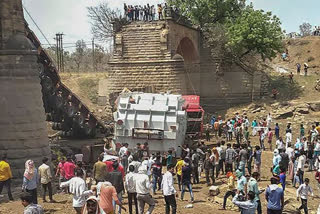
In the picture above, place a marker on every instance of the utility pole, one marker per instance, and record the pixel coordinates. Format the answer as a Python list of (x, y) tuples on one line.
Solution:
[(60, 59), (57, 50), (93, 59)]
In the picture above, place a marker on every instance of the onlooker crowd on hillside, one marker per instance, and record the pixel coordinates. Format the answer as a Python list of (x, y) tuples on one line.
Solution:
[(140, 174)]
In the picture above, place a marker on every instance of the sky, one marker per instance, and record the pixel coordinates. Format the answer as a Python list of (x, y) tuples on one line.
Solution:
[(70, 16)]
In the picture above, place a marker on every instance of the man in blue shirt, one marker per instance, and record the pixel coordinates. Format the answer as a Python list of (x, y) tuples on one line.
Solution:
[(277, 131), (275, 197), (247, 207)]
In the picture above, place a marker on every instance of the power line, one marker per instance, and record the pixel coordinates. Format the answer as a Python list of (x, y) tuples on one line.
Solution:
[(36, 25)]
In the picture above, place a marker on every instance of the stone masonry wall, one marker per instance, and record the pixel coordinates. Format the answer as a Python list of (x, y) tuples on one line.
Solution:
[(23, 131), (151, 54)]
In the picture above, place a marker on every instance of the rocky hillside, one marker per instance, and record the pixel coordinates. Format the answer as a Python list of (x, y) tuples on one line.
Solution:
[(302, 50)]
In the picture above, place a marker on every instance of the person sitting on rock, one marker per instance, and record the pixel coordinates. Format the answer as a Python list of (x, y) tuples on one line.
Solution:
[(231, 188)]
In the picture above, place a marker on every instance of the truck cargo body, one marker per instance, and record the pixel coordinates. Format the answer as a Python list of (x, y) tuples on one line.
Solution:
[(195, 114), (154, 118)]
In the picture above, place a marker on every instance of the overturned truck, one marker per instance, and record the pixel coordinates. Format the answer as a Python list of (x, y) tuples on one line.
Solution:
[(158, 119)]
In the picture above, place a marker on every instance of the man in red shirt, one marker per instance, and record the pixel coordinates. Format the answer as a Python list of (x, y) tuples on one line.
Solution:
[(68, 168), (109, 164), (270, 135)]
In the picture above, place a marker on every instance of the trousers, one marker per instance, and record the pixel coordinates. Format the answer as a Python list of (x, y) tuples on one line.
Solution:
[(7, 184), (170, 202), (132, 197), (142, 200), (45, 187)]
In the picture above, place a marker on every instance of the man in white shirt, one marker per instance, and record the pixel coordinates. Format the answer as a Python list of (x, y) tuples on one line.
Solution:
[(143, 190), (290, 151), (130, 184), (77, 187), (280, 144), (123, 150), (300, 167), (303, 191), (169, 191), (288, 138), (45, 179)]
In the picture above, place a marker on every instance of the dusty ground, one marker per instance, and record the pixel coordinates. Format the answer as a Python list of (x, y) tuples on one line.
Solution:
[(203, 203)]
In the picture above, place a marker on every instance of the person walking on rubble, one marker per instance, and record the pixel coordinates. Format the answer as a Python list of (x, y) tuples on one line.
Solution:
[(45, 179)]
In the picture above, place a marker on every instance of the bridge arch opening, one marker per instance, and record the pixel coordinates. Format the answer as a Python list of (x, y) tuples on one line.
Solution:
[(188, 51)]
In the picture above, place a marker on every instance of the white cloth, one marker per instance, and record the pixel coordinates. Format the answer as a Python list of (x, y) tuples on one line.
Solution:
[(301, 162), (142, 181), (304, 191), (79, 157), (123, 150), (107, 157), (130, 182), (288, 138), (269, 120), (77, 187), (290, 152), (136, 165), (148, 164), (167, 184), (280, 144), (317, 147)]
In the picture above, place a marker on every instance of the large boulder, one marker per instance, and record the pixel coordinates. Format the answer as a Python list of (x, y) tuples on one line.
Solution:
[(315, 106), (302, 108), (284, 113)]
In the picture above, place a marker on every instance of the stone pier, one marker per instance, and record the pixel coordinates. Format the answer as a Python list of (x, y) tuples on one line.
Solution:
[(23, 131)]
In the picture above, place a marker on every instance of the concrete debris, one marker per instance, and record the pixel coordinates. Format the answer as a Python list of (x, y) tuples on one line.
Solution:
[(214, 190), (256, 110), (188, 206)]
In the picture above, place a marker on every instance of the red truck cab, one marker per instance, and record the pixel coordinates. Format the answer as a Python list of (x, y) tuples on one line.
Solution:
[(195, 115)]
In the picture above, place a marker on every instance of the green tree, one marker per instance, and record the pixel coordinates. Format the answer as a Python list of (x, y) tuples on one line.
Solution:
[(202, 12), (233, 29), (255, 32), (305, 29), (79, 54)]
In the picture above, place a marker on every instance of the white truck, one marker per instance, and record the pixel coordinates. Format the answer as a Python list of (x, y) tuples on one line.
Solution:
[(158, 119)]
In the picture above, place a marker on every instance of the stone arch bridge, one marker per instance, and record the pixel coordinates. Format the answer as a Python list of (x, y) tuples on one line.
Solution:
[(168, 55)]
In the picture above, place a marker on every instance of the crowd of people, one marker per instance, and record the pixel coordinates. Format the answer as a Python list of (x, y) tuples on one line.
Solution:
[(141, 175), (147, 12)]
